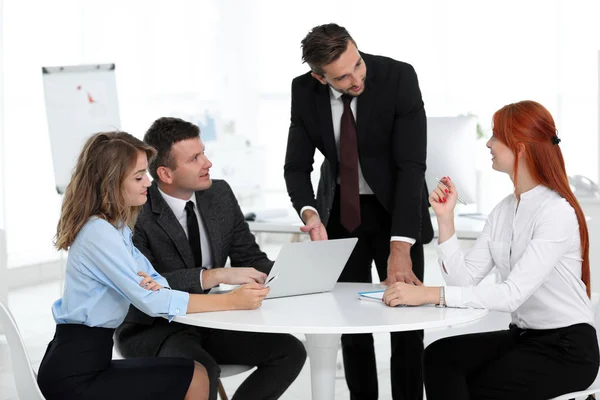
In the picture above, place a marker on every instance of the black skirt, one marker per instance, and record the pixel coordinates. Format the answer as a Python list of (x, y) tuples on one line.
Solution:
[(78, 365)]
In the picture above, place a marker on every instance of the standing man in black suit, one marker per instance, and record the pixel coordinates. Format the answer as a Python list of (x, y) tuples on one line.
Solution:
[(187, 229), (366, 115)]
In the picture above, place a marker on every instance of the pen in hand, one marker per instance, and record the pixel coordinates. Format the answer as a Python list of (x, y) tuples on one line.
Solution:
[(457, 197), (268, 283)]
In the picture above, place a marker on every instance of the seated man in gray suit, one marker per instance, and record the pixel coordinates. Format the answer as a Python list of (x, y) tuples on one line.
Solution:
[(187, 229)]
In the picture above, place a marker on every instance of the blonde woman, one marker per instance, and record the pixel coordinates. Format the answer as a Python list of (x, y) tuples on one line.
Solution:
[(105, 274)]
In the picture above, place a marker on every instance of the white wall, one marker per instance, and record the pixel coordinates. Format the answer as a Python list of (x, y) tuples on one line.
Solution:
[(3, 253), (471, 57), (238, 57)]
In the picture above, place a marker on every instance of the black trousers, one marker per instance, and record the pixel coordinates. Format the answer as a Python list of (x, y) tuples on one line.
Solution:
[(512, 364), (279, 358), (78, 365), (406, 364)]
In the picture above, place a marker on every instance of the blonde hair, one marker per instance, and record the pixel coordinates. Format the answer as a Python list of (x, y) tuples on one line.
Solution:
[(96, 186)]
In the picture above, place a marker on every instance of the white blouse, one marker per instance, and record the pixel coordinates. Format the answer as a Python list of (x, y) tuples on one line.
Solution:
[(535, 246)]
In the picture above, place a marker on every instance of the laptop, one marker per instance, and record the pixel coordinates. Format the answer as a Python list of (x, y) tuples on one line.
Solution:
[(308, 267)]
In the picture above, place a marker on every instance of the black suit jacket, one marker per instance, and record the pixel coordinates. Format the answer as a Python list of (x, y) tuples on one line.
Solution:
[(392, 143), (160, 237)]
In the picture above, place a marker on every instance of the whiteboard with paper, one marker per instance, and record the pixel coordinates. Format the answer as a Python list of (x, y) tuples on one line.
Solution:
[(80, 101)]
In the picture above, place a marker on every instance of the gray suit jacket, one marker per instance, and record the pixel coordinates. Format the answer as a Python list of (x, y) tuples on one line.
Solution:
[(160, 237)]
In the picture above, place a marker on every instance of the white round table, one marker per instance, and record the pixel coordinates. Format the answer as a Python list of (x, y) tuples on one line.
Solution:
[(324, 317)]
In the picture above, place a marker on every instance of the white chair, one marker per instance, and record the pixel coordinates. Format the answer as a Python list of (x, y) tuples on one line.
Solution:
[(25, 377), (230, 370), (595, 387)]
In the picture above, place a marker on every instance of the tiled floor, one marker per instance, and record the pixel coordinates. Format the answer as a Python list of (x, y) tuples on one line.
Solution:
[(31, 308)]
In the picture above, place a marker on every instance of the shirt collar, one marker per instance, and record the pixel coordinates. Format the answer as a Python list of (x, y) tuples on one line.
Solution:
[(124, 230), (176, 205), (334, 94), (533, 193)]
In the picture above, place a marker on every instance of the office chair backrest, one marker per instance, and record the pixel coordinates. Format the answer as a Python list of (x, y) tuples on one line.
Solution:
[(25, 378), (596, 308), (595, 387)]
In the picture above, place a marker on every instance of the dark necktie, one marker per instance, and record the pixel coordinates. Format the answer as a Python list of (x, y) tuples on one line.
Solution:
[(193, 233), (349, 194)]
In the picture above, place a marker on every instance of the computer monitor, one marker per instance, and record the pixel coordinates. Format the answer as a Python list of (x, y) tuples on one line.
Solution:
[(451, 151)]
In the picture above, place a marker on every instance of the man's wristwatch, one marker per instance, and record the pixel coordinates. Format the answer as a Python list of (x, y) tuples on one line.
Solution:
[(442, 297)]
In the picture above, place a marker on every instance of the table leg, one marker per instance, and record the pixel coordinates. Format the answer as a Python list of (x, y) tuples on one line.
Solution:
[(322, 354)]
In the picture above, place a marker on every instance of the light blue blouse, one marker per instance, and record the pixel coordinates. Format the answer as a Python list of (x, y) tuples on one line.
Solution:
[(102, 281)]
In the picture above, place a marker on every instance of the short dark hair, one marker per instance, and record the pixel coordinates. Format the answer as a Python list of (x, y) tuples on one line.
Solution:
[(323, 45), (162, 135)]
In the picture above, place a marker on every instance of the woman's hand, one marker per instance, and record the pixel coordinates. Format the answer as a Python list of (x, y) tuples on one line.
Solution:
[(443, 198), (148, 283), (410, 295), (248, 297)]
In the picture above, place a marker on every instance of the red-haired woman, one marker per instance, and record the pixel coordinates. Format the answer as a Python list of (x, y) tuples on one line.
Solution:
[(537, 238)]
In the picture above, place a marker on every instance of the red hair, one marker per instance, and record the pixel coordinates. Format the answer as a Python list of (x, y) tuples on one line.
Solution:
[(528, 125)]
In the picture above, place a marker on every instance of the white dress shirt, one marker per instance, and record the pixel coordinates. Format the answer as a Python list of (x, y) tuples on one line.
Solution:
[(178, 208), (337, 109), (534, 243)]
